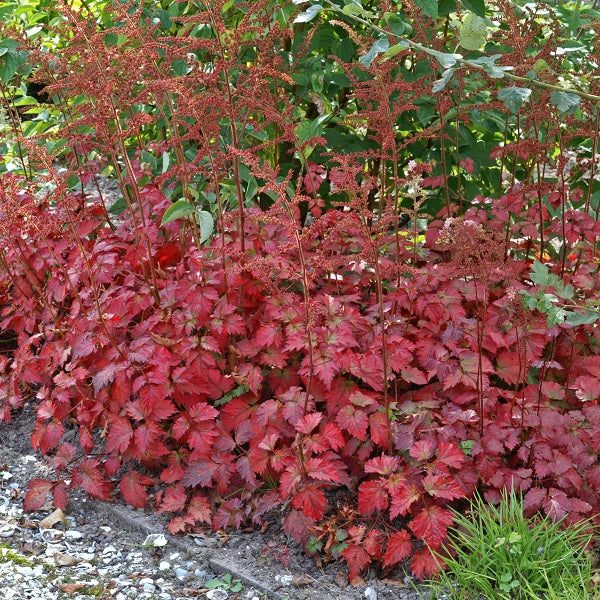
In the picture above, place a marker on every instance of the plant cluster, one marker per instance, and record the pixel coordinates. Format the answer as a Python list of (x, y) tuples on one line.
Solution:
[(498, 553), (284, 303)]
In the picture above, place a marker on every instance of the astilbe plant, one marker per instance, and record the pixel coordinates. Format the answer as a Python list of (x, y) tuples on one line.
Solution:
[(285, 358)]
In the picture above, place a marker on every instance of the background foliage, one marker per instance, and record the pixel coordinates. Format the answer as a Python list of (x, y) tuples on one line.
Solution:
[(355, 255)]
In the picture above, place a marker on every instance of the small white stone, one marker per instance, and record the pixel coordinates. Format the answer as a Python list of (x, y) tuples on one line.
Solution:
[(7, 530), (38, 570), (73, 535), (164, 565), (181, 573), (157, 540), (285, 579), (52, 536), (370, 594), (217, 594)]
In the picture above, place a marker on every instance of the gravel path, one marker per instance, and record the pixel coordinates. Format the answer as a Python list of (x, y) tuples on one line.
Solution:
[(111, 551)]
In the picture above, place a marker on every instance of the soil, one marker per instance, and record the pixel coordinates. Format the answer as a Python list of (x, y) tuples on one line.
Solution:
[(251, 557)]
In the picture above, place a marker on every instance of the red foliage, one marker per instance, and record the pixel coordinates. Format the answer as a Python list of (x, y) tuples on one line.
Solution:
[(276, 363)]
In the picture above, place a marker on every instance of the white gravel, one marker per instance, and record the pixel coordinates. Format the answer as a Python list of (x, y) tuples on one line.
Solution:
[(76, 558)]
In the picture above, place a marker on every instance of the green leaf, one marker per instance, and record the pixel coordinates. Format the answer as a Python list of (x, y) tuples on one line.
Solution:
[(540, 274), (429, 7), (396, 24), (179, 209), (234, 393), (488, 63), (395, 49), (514, 97), (475, 6), (11, 63), (309, 129), (566, 103), (446, 60), (441, 83), (380, 45), (165, 162), (207, 225), (581, 318), (473, 32), (354, 7), (309, 14)]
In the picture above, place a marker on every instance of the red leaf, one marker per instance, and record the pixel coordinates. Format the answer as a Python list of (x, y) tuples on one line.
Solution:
[(450, 454), (399, 547), (168, 255), (414, 375), (250, 375), (587, 388), (145, 435), (298, 526), (373, 543), (199, 509), (354, 421), (311, 500), (334, 436), (238, 410), (46, 436), (383, 465), (199, 472), (173, 499), (104, 376), (229, 514), (431, 525), (358, 559), (372, 496), (532, 502), (404, 496), (324, 470), (177, 525), (509, 366), (60, 495), (89, 477), (379, 428), (439, 485), (308, 422), (120, 434), (424, 564), (422, 450), (37, 494), (556, 504), (133, 487), (174, 472)]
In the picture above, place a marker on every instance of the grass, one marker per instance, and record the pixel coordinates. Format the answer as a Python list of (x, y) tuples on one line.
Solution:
[(498, 554)]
